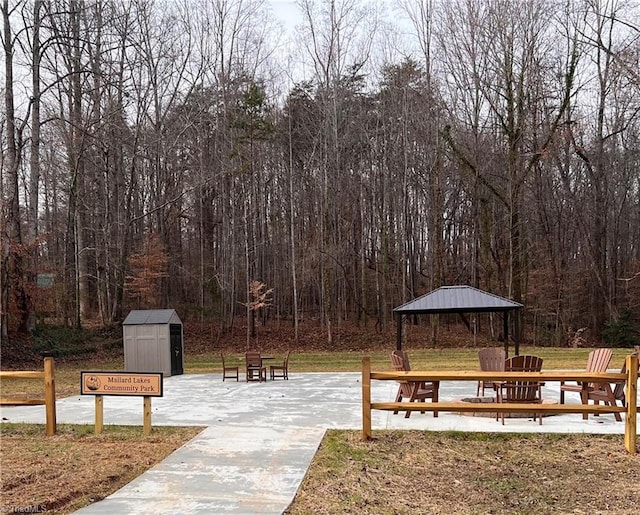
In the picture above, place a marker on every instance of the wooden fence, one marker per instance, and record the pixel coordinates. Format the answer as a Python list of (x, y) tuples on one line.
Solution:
[(630, 378), (49, 400)]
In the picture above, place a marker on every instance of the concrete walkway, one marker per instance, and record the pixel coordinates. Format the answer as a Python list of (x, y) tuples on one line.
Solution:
[(261, 437)]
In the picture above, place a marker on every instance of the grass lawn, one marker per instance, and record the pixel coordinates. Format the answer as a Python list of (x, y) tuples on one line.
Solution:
[(409, 472), (421, 359)]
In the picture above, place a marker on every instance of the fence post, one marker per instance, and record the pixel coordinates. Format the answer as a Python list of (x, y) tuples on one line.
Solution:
[(631, 397), (146, 417), (50, 396), (366, 398)]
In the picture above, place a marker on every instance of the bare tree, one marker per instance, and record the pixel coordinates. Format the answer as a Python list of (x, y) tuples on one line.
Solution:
[(598, 143), (338, 49), (15, 267), (497, 147), (523, 112)]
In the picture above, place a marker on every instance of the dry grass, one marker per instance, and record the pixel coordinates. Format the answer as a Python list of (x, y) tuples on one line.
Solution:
[(74, 468), (412, 472)]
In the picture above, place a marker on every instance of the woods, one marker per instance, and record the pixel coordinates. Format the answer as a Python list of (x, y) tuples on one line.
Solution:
[(172, 154)]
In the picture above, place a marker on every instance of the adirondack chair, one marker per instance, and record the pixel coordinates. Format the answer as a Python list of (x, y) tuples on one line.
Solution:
[(229, 372), (491, 359), (598, 361), (413, 391), (603, 392), (521, 391)]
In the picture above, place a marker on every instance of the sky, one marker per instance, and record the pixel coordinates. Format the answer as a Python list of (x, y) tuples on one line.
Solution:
[(298, 66), (287, 12)]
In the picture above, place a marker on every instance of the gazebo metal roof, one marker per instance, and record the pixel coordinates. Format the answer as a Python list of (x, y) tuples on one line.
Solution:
[(457, 299)]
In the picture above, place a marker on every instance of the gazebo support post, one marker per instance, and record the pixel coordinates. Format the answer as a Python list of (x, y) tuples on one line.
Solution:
[(505, 333), (399, 331), (516, 335)]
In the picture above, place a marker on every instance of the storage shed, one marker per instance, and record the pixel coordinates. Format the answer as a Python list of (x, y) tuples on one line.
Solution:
[(153, 341)]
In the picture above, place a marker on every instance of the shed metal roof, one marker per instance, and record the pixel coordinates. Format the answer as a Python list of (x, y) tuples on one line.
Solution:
[(457, 299), (150, 317)]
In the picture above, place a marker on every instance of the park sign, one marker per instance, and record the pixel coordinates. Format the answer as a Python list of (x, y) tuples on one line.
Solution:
[(145, 384)]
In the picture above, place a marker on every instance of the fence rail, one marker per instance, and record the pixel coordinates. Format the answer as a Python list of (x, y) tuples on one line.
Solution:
[(49, 400), (630, 378)]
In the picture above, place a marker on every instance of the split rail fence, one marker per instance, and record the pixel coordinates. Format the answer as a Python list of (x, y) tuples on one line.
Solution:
[(630, 378), (49, 400)]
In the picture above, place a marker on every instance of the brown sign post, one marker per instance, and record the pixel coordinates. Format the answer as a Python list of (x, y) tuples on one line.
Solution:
[(142, 384)]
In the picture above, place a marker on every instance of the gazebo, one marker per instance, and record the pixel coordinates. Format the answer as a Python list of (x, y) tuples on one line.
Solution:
[(459, 299)]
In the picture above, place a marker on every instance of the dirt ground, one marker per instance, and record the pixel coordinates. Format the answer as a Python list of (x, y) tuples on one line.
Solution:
[(413, 472), (74, 468)]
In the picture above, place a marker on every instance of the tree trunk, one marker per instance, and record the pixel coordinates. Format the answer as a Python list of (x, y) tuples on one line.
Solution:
[(15, 261)]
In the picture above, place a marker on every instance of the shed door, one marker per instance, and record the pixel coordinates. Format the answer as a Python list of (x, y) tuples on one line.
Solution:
[(175, 338)]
